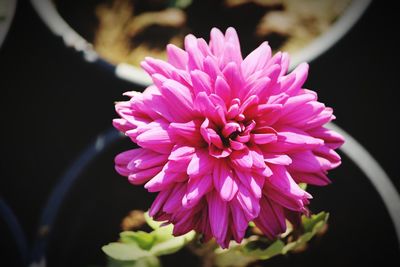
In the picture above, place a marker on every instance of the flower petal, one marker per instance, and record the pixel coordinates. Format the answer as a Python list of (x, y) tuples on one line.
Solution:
[(248, 202), (189, 131), (282, 181), (156, 138), (224, 182), (271, 220), (196, 189), (218, 213), (242, 158), (200, 164), (256, 60), (142, 176), (201, 82), (177, 57)]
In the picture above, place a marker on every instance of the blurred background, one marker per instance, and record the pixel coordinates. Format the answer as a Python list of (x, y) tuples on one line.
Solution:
[(55, 102)]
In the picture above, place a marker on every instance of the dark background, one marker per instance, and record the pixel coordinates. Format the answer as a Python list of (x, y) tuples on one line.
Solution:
[(53, 104)]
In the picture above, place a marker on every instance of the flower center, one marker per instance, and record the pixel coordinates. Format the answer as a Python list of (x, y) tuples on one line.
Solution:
[(232, 136)]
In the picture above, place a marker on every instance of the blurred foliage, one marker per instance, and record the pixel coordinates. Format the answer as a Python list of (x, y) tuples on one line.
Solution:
[(142, 249)]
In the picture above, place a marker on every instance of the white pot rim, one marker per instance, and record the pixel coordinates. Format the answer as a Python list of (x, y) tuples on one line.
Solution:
[(10, 7), (47, 11)]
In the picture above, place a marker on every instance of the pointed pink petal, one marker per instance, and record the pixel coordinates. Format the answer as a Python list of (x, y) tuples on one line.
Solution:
[(190, 131), (283, 182), (195, 56), (284, 200), (301, 73), (252, 181), (285, 62), (271, 220), (179, 98), (218, 213), (156, 138), (158, 203), (256, 60), (232, 37), (234, 78), (149, 160), (303, 115), (242, 158), (217, 41), (125, 157), (249, 203), (177, 57), (318, 178), (235, 145), (204, 105), (257, 157), (211, 68), (182, 153), (279, 159), (200, 164), (239, 221), (152, 66), (142, 176), (220, 104), (325, 116), (293, 139), (255, 87), (329, 154), (224, 182), (264, 138), (332, 139), (165, 178), (230, 54), (196, 189), (306, 161), (174, 201), (201, 82), (297, 101), (222, 89), (203, 47)]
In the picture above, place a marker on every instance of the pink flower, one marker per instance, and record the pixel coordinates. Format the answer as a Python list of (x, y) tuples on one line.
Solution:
[(225, 140)]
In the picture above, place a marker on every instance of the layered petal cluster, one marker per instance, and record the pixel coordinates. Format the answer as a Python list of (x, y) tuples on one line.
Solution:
[(226, 140)]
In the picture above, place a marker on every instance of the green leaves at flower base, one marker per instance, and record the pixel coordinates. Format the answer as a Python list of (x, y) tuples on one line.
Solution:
[(125, 251), (150, 261), (141, 249), (257, 248)]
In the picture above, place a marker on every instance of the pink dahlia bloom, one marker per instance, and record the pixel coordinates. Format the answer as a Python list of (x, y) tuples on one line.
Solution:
[(226, 140)]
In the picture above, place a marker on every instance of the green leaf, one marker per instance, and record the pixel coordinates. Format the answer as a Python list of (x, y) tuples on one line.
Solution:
[(150, 261), (125, 252), (143, 239), (172, 245), (152, 223), (259, 248), (180, 3), (163, 233), (303, 186), (232, 258), (315, 222), (135, 245), (312, 225), (262, 254)]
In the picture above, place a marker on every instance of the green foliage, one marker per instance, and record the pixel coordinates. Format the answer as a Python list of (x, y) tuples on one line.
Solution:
[(125, 251), (141, 249), (180, 3), (258, 248), (142, 239)]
